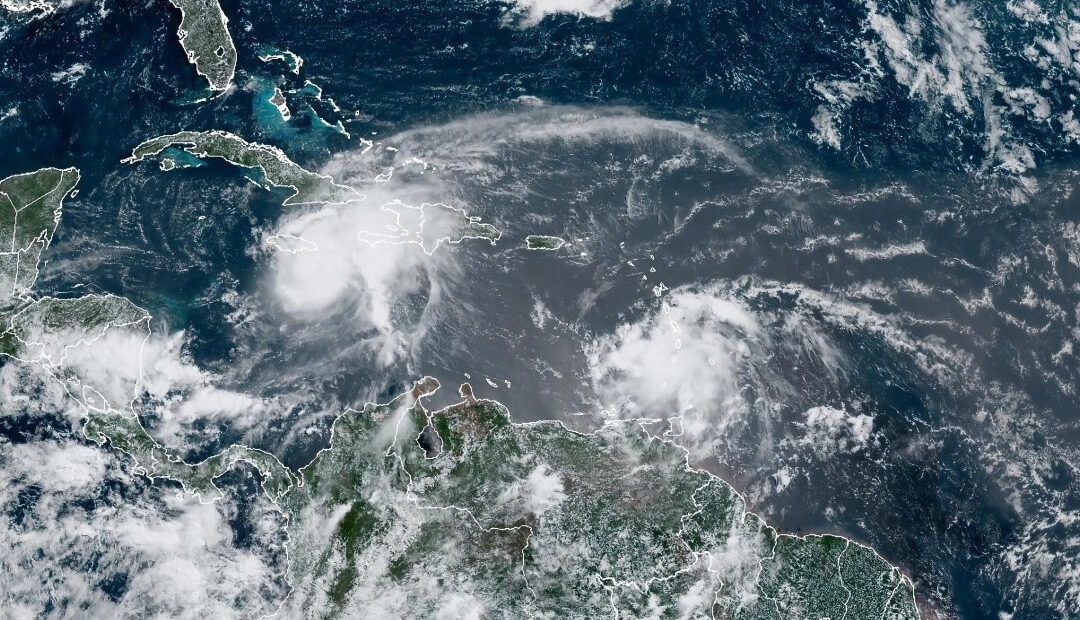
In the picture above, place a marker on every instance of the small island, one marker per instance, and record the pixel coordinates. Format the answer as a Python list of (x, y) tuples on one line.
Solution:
[(544, 242), (268, 53)]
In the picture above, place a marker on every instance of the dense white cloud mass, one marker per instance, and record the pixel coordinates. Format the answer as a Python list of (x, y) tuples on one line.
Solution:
[(25, 392), (85, 537), (347, 264), (179, 394), (541, 491), (124, 365), (366, 259), (107, 359), (682, 361), (528, 13), (720, 362)]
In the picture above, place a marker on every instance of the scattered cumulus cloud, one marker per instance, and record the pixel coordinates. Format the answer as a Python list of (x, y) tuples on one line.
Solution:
[(72, 74), (831, 431)]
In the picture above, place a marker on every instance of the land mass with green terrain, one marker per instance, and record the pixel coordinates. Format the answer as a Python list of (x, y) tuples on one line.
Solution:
[(428, 225), (273, 167), (535, 520), (204, 35), (544, 242), (29, 214)]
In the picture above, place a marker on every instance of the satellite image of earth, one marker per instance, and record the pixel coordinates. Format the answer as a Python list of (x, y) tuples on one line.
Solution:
[(733, 309)]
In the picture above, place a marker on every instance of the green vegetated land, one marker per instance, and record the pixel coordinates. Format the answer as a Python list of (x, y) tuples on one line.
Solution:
[(274, 168), (204, 35), (544, 242), (29, 213), (534, 519)]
